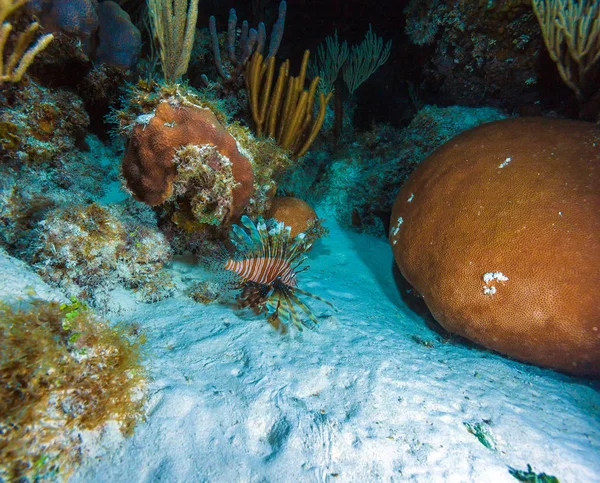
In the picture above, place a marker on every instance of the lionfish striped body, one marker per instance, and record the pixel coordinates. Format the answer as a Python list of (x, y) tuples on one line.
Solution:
[(263, 270), (267, 261)]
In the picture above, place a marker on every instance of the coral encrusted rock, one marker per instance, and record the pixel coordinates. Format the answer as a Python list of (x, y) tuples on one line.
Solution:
[(499, 230), (149, 164)]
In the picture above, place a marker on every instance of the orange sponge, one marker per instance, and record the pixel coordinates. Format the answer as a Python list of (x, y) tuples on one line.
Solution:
[(148, 164), (499, 230)]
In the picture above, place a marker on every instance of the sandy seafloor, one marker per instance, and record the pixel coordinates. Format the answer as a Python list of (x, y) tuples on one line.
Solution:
[(357, 400)]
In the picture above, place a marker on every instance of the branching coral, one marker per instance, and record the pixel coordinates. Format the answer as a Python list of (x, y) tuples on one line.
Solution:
[(250, 41), (356, 65), (365, 58), (174, 26), (571, 32), (331, 56), (62, 370), (284, 111), (24, 51)]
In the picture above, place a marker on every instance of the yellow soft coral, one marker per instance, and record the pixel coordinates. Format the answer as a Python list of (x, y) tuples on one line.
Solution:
[(13, 66)]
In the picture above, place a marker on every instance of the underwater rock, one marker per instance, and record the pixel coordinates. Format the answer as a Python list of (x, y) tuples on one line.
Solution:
[(29, 192), (104, 31), (20, 284), (149, 163), (498, 230), (89, 250), (40, 125), (294, 212), (481, 52)]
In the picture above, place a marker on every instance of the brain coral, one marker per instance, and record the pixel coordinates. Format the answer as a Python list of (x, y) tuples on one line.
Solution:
[(499, 231), (148, 164)]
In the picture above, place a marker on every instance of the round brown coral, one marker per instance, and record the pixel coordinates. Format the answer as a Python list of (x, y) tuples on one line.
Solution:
[(148, 164), (293, 212), (498, 230)]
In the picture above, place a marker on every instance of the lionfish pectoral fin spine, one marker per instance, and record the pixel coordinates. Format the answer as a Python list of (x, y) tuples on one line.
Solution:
[(292, 311), (303, 306), (308, 294)]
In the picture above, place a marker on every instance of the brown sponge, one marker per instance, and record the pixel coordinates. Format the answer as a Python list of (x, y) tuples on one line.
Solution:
[(499, 230)]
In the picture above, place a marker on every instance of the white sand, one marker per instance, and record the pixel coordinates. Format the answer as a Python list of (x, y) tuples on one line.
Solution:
[(358, 399)]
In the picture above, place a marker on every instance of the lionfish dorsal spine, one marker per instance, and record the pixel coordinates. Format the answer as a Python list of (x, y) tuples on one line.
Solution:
[(261, 230), (255, 241), (242, 241)]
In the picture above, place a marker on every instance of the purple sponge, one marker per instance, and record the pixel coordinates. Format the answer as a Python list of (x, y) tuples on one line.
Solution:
[(104, 29), (78, 18), (119, 41)]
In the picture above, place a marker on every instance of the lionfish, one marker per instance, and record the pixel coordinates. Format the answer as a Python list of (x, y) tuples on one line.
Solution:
[(267, 261)]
